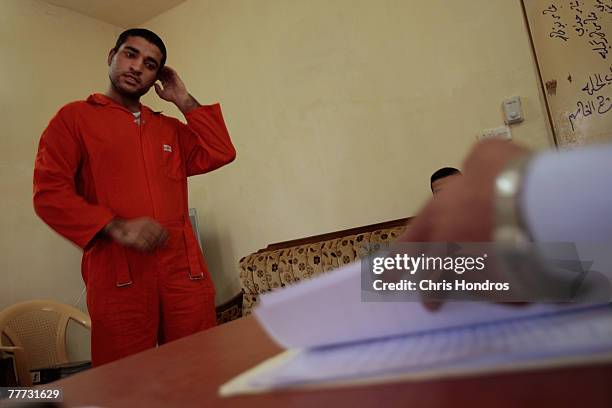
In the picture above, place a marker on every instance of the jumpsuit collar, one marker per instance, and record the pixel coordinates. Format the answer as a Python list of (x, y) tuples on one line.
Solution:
[(103, 100)]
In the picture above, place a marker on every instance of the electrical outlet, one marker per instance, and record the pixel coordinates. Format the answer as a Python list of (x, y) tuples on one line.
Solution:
[(502, 132)]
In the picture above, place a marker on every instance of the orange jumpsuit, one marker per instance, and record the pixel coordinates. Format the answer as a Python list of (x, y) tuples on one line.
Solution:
[(95, 163)]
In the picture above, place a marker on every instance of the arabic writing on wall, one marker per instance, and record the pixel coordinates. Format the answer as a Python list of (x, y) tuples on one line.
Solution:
[(586, 23), (599, 105)]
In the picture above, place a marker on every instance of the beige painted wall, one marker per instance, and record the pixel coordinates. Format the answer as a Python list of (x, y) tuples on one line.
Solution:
[(340, 110), (50, 56)]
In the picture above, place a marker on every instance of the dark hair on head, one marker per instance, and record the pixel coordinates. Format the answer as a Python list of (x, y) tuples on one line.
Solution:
[(148, 35), (443, 172)]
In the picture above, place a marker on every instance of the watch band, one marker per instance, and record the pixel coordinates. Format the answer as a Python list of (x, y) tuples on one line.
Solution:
[(510, 228)]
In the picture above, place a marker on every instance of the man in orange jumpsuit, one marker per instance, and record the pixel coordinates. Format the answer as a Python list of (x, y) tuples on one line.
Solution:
[(111, 176)]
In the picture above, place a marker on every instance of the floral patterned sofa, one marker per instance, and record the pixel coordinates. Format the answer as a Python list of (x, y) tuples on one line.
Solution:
[(284, 263)]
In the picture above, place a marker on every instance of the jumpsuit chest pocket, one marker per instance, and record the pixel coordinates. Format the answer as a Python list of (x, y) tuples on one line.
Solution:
[(171, 162)]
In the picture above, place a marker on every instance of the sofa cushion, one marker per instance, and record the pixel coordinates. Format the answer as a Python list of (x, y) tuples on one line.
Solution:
[(268, 270)]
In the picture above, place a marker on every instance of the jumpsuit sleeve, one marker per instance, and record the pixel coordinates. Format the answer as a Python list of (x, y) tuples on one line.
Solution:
[(55, 195), (205, 140)]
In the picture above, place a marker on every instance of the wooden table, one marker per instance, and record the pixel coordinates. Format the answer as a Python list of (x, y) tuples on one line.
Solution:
[(188, 373)]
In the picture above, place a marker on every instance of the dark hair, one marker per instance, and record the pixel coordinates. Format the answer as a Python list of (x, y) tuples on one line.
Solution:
[(441, 173), (148, 35)]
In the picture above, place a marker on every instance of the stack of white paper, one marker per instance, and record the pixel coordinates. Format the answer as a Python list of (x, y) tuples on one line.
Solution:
[(335, 337)]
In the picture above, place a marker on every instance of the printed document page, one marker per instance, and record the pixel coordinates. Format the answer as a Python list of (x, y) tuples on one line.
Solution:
[(328, 310), (567, 337)]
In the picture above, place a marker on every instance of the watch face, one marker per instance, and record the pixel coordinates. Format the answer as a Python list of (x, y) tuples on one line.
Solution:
[(509, 228)]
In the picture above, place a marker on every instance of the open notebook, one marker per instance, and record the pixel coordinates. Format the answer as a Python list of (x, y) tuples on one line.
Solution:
[(333, 337)]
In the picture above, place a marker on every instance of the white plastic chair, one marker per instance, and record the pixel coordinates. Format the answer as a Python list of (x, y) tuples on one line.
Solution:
[(36, 331)]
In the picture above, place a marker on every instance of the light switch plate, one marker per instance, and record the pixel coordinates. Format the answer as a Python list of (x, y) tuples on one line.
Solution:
[(513, 111)]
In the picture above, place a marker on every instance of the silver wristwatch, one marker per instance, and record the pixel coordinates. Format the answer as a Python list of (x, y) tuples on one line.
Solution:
[(510, 228)]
